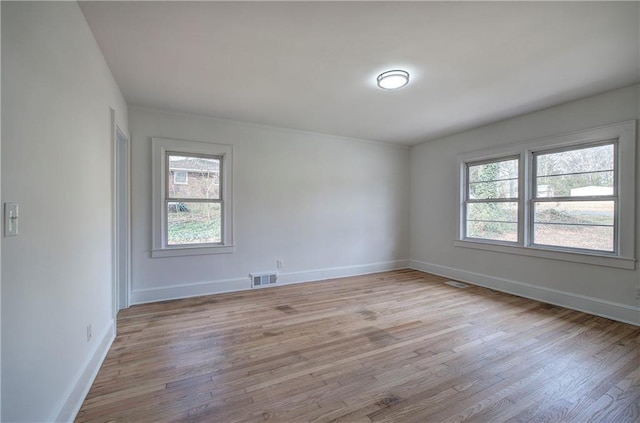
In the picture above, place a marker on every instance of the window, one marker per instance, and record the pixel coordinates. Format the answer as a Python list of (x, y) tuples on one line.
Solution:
[(491, 205), (574, 199), (194, 211), (180, 177), (192, 202), (570, 197)]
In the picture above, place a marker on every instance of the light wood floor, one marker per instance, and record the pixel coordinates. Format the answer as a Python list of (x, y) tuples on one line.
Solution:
[(390, 347)]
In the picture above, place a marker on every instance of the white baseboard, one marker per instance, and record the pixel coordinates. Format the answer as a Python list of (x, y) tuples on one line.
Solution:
[(80, 389), (340, 272), (616, 311), (174, 292), (232, 285)]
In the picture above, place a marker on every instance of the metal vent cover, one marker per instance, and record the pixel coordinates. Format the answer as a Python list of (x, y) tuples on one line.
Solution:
[(259, 280), (456, 284)]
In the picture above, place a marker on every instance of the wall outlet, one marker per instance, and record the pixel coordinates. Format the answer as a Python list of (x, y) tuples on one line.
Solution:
[(280, 263), (88, 332)]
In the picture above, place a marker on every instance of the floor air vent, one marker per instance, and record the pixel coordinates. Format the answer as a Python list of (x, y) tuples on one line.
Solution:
[(263, 279), (456, 284)]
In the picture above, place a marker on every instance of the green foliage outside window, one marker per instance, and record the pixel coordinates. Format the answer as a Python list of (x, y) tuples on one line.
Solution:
[(493, 219)]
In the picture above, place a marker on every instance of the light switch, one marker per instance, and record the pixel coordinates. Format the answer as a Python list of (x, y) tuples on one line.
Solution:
[(10, 219)]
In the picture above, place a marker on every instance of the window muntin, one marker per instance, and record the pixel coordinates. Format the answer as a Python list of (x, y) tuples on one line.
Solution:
[(193, 210), (575, 202), (491, 200)]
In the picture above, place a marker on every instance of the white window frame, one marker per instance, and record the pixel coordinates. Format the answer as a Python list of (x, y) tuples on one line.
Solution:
[(160, 148), (612, 197), (624, 135), (466, 200), (186, 177)]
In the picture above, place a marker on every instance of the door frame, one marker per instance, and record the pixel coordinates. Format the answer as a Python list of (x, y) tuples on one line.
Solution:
[(121, 218)]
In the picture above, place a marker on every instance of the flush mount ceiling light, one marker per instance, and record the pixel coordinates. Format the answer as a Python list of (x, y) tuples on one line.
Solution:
[(393, 79)]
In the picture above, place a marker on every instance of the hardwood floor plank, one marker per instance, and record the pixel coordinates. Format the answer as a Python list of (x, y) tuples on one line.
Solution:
[(390, 347)]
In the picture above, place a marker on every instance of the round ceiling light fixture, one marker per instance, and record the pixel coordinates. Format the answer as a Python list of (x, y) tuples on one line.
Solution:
[(393, 79)]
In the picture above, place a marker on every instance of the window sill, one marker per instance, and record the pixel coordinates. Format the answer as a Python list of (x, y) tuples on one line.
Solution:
[(192, 251), (594, 259)]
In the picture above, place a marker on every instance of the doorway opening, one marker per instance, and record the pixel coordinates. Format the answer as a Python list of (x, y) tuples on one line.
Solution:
[(122, 261)]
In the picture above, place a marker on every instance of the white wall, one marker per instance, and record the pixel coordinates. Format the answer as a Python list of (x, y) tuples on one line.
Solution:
[(56, 163), (600, 290), (327, 206)]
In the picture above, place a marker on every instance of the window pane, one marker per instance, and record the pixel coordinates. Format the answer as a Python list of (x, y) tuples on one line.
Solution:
[(498, 189), (575, 212), (193, 223), (493, 231), (585, 184), (505, 169), (494, 220), (575, 224), (193, 177), (586, 237), (494, 211), (591, 159)]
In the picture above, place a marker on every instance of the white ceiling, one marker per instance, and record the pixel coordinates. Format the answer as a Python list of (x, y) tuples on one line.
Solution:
[(312, 65)]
